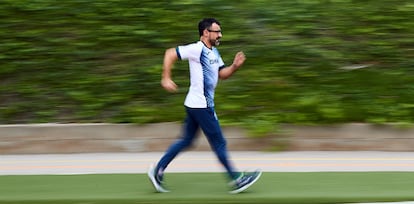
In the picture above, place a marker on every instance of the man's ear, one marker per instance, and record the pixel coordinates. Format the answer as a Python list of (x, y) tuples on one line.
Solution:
[(205, 32)]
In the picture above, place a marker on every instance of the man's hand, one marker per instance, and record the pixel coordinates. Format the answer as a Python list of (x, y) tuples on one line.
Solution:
[(169, 85), (239, 59)]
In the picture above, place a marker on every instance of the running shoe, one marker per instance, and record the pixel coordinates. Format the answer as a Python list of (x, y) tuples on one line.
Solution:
[(156, 180), (245, 181)]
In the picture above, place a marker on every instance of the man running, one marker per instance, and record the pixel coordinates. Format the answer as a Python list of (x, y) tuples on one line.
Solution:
[(206, 67)]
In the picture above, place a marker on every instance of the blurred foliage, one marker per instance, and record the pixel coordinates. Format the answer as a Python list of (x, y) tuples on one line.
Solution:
[(308, 61)]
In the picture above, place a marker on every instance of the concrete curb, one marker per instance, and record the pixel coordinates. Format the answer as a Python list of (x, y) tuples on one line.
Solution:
[(91, 138)]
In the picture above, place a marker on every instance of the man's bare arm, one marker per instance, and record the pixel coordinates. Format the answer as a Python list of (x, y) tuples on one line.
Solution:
[(238, 61), (170, 57)]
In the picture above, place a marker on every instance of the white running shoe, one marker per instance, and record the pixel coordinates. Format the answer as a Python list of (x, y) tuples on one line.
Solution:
[(156, 180)]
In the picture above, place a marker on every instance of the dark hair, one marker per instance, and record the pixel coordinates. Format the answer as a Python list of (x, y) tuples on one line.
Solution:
[(206, 23)]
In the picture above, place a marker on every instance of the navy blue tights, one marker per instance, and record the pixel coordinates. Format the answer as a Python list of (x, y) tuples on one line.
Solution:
[(206, 119)]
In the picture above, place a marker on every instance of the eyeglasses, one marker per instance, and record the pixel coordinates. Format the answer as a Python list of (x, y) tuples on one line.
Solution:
[(216, 31)]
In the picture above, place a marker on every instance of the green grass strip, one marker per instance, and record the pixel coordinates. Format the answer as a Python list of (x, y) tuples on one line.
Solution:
[(320, 187)]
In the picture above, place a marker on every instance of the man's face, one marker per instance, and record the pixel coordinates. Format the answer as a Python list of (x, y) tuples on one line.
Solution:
[(214, 34)]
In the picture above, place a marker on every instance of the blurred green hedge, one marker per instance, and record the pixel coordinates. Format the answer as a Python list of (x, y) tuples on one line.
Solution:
[(308, 61)]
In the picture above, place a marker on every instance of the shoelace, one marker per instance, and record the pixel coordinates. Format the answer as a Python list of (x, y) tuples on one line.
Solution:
[(244, 180)]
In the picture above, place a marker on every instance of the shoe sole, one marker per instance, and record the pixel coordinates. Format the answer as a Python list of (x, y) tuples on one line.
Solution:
[(151, 176), (246, 186)]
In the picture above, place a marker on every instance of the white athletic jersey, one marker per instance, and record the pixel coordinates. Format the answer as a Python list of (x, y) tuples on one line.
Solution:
[(204, 65)]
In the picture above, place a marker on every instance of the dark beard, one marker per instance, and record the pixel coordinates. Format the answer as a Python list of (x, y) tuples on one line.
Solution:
[(215, 42)]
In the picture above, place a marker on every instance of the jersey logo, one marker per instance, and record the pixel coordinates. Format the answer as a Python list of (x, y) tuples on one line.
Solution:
[(214, 61)]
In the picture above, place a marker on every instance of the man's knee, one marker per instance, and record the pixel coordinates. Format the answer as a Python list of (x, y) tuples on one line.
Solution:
[(218, 144), (183, 144)]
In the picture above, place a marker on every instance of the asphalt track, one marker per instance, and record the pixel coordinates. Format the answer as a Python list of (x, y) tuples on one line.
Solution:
[(104, 163)]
